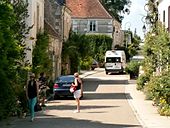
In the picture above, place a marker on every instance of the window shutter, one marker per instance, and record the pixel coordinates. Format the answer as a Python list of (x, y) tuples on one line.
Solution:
[(169, 18)]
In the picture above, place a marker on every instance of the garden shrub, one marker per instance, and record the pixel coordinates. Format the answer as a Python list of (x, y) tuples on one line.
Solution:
[(142, 79), (149, 88), (133, 69), (86, 63), (158, 89)]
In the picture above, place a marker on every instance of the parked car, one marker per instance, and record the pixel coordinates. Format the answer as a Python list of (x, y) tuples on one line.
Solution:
[(94, 65), (138, 58), (62, 85)]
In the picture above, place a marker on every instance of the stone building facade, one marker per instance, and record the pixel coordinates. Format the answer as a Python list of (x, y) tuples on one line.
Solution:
[(36, 20), (90, 17), (57, 24)]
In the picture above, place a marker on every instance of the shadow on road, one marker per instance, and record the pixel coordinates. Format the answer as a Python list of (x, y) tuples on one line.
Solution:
[(50, 121), (106, 96), (102, 81), (72, 107), (45, 120)]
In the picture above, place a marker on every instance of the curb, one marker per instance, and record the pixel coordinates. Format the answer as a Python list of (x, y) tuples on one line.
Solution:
[(134, 109)]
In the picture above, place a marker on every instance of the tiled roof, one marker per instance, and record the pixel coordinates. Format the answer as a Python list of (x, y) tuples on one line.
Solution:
[(87, 9)]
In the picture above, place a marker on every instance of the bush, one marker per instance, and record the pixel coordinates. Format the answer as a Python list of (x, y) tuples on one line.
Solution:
[(164, 108), (85, 65), (158, 89), (142, 79), (149, 88), (133, 69), (7, 97)]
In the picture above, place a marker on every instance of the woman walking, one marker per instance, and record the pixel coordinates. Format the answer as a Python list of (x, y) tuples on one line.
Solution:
[(78, 92), (32, 94)]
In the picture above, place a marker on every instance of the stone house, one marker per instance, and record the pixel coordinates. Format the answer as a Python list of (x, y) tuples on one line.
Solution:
[(90, 17), (54, 17), (118, 34), (57, 24), (36, 20)]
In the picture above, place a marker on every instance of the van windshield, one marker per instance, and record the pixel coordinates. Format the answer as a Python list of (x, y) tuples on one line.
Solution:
[(112, 59)]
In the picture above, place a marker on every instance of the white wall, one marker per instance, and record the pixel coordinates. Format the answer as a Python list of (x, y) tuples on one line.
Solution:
[(163, 6), (32, 21)]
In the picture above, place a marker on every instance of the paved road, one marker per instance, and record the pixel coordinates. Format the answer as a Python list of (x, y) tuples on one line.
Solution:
[(104, 105)]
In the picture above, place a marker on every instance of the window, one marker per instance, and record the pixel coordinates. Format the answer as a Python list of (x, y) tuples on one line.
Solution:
[(169, 18), (38, 18), (92, 26), (113, 59), (164, 16)]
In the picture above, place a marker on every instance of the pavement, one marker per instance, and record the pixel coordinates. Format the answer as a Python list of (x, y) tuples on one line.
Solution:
[(145, 112)]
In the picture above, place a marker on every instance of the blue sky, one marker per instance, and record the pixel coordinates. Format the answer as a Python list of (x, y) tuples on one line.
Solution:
[(134, 19)]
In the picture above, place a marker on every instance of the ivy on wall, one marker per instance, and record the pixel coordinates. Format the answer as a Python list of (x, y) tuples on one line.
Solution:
[(81, 48), (41, 59)]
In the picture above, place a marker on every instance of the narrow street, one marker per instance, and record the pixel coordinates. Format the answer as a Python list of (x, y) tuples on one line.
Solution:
[(104, 105)]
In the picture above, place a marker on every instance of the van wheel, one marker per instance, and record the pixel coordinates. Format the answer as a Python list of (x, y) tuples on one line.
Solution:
[(92, 68), (106, 73)]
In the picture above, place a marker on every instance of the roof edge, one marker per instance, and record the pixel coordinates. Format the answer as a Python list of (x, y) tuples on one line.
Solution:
[(105, 9)]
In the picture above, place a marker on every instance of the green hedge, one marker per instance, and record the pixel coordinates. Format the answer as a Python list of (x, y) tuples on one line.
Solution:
[(132, 68), (158, 89), (141, 81)]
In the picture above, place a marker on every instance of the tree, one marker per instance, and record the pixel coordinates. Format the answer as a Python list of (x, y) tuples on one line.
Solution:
[(117, 8), (11, 51), (85, 48), (156, 67), (41, 60)]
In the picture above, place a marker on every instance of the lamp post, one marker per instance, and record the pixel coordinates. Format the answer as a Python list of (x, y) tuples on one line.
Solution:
[(144, 29), (145, 21)]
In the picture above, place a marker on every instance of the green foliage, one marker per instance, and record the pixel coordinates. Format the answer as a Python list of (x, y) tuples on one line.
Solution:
[(41, 59), (11, 49), (7, 103), (86, 63), (132, 68), (70, 51), (141, 81), (158, 89), (157, 52), (79, 49), (157, 49), (99, 44), (117, 8), (132, 49)]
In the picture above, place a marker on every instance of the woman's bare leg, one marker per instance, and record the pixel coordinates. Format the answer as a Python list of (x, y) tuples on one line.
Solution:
[(78, 104)]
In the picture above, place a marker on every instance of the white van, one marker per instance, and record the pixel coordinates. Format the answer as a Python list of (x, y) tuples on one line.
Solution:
[(115, 61)]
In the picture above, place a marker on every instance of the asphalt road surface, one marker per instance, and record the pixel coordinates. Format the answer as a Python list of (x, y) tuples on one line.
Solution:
[(105, 105)]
